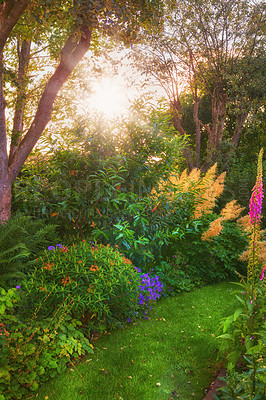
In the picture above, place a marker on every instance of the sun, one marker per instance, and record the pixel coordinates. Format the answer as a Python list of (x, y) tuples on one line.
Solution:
[(108, 98)]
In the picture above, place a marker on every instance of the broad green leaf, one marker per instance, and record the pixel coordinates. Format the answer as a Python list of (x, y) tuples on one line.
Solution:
[(237, 313)]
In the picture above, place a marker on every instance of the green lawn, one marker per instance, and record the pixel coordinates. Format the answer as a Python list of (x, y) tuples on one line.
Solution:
[(171, 355)]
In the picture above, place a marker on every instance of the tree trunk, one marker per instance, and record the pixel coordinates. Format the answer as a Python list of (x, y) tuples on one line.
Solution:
[(176, 112), (240, 119), (5, 199), (23, 51), (198, 132), (71, 54), (74, 49), (215, 134), (10, 12), (5, 187)]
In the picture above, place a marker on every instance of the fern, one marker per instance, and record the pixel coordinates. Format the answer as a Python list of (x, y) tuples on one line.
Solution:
[(21, 240)]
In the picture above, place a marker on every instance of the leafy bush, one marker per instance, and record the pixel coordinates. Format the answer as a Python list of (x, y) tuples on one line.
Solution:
[(173, 276), (207, 244), (69, 185), (21, 239), (33, 351), (239, 385), (101, 283), (215, 259)]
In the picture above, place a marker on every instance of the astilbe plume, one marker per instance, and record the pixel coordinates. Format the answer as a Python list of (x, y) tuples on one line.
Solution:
[(232, 210), (205, 189)]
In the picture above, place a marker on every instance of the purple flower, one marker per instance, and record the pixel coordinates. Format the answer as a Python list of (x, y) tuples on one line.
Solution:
[(129, 319), (59, 245), (51, 248), (18, 287)]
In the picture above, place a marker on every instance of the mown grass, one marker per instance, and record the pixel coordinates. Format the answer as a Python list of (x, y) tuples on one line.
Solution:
[(171, 355)]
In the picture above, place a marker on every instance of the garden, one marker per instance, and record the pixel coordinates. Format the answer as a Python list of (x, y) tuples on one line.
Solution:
[(132, 221), (138, 302)]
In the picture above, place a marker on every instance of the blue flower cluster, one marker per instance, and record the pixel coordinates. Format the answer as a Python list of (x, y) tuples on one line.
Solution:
[(150, 287)]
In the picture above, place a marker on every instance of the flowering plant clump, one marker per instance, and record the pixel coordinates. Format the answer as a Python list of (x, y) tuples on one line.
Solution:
[(150, 288), (244, 331), (103, 285)]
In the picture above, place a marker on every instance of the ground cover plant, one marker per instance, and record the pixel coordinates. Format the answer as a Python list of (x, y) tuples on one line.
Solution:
[(172, 354)]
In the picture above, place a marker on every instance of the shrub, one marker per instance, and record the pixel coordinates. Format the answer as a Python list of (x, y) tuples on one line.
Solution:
[(69, 185), (33, 351), (173, 277), (102, 284), (215, 259), (206, 244)]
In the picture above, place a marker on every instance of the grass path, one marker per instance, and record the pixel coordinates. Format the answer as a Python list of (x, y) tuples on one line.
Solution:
[(173, 355)]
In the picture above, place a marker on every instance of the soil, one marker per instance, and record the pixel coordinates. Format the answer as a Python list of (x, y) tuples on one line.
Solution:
[(218, 383)]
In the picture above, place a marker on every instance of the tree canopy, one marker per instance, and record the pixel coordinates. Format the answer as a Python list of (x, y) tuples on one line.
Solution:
[(214, 49)]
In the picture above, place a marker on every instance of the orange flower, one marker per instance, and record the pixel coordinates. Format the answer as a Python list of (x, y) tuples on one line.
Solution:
[(99, 212), (93, 224), (48, 266), (94, 268), (54, 214), (80, 261), (66, 280), (154, 208), (64, 249)]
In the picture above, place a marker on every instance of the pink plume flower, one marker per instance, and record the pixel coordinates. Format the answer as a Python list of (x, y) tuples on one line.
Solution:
[(255, 202)]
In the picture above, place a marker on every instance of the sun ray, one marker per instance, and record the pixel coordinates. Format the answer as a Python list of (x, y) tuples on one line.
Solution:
[(108, 97)]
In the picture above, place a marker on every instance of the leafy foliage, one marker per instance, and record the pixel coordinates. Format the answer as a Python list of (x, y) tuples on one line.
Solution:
[(33, 351), (102, 173)]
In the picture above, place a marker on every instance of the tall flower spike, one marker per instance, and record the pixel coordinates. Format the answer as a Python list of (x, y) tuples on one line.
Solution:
[(255, 202), (255, 206)]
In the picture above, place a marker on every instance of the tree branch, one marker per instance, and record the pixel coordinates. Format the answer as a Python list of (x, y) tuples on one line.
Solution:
[(71, 54), (10, 12)]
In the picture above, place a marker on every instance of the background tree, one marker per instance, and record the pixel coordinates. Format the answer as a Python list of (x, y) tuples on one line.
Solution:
[(212, 49), (66, 29)]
